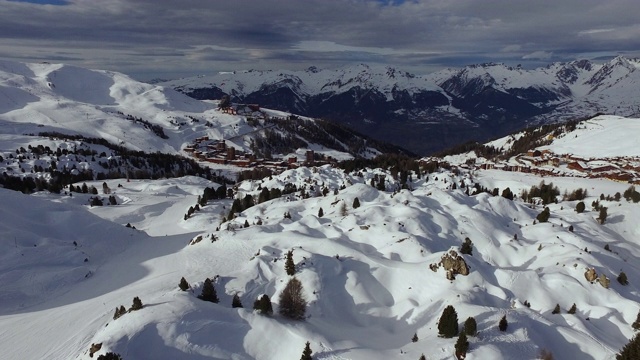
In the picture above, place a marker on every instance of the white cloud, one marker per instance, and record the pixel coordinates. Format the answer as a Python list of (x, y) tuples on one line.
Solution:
[(538, 55)]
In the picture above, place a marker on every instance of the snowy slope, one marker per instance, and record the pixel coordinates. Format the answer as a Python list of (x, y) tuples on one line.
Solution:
[(365, 272), (600, 137), (45, 97)]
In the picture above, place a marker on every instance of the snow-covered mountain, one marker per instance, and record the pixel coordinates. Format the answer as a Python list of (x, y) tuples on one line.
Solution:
[(435, 111), (57, 98), (376, 273), (372, 271)]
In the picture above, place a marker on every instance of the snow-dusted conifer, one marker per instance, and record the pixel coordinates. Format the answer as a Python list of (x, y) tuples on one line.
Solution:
[(448, 323), (183, 285), (235, 302), (209, 292), (292, 302), (306, 353), (289, 265)]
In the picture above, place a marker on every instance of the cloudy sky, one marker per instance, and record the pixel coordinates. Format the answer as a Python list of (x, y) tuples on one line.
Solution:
[(175, 38)]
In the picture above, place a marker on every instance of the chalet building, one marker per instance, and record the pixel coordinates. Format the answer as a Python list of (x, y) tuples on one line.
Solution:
[(578, 165), (231, 153), (310, 157), (604, 168)]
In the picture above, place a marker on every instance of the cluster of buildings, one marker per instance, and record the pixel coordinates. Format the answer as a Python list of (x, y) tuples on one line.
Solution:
[(218, 152), (546, 163)]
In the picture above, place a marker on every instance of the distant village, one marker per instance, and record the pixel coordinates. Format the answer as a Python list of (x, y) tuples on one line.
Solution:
[(546, 163), (219, 152)]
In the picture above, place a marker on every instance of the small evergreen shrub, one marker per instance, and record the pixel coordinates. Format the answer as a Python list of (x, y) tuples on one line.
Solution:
[(137, 304), (572, 310), (470, 326), (356, 203), (467, 247), (263, 305), (119, 312), (503, 324), (289, 265), (461, 346), (306, 353), (556, 310), (603, 215), (235, 302), (544, 215), (622, 278), (110, 356), (580, 207), (183, 285), (209, 292)]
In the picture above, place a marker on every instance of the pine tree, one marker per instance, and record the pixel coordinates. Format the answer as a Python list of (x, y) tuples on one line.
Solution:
[(544, 215), (415, 337), (356, 203), (636, 324), (119, 312), (320, 213), (289, 265), (448, 323), (556, 310), (183, 285), (631, 351), (603, 215), (462, 346), (292, 302), (502, 325), (306, 353), (235, 302), (572, 310), (622, 278), (209, 292), (467, 247), (263, 305), (470, 326), (422, 357), (137, 304), (110, 356), (506, 193)]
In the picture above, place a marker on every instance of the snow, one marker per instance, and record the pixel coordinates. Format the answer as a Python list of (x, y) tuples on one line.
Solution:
[(600, 137), (365, 272)]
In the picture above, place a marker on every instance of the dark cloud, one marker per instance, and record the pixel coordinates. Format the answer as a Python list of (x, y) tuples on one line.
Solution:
[(182, 36)]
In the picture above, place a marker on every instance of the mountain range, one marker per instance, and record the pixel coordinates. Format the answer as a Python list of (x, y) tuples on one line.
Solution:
[(427, 113), (526, 235)]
